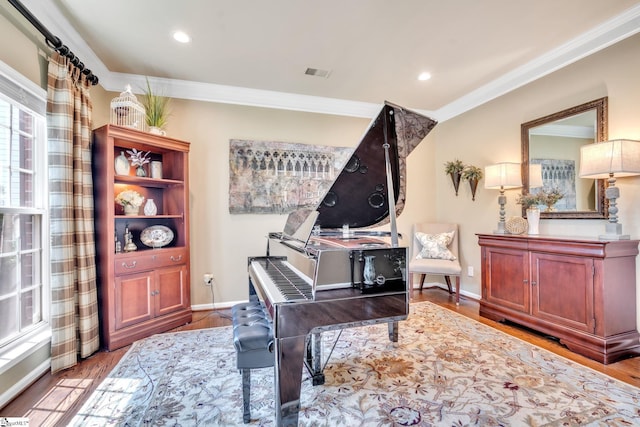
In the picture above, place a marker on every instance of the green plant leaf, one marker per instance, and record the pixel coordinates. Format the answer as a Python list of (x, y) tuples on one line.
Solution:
[(156, 107)]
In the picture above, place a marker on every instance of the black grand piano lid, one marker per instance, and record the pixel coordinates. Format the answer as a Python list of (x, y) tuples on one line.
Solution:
[(359, 197)]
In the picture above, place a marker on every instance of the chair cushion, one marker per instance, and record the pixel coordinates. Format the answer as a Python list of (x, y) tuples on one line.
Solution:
[(435, 266), (435, 246)]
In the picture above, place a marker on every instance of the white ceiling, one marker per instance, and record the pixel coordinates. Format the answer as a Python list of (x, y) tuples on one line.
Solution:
[(256, 52)]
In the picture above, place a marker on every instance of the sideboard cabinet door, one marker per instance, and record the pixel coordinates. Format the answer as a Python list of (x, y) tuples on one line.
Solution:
[(507, 277), (562, 290)]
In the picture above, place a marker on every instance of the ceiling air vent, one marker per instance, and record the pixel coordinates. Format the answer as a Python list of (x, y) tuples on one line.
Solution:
[(317, 72)]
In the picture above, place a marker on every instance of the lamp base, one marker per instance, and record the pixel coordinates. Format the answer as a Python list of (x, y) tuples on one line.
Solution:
[(613, 231), (614, 237), (501, 229), (502, 200)]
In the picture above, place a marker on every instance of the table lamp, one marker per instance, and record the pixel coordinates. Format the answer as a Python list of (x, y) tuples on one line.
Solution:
[(502, 176), (611, 159)]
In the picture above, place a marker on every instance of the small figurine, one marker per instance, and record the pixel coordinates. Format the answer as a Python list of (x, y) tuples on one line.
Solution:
[(118, 244), (129, 246)]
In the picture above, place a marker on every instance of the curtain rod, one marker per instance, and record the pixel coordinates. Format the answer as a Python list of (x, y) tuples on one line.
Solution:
[(54, 42)]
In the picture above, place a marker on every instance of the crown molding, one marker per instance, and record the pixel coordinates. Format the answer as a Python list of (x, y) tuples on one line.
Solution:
[(208, 92), (598, 38)]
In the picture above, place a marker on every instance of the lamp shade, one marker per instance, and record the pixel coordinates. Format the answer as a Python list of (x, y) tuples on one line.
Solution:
[(503, 175), (620, 157), (535, 175)]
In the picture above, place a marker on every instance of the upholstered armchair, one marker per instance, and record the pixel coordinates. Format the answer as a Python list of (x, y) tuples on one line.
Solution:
[(434, 251)]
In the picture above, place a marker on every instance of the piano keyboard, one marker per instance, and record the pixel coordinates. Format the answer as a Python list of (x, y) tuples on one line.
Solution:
[(282, 280)]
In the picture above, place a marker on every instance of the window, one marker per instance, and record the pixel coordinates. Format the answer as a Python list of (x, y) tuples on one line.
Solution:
[(23, 209)]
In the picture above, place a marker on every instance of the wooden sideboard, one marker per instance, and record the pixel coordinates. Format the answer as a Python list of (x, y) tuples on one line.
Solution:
[(579, 290)]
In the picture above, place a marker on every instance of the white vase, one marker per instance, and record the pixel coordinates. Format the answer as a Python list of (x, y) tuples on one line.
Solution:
[(533, 218), (369, 270), (150, 208), (122, 165), (156, 169)]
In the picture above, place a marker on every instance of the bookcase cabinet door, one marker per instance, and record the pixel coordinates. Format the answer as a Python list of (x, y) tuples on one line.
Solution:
[(134, 299), (171, 283)]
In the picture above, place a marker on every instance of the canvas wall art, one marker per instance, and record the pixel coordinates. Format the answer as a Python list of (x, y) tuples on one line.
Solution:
[(267, 177)]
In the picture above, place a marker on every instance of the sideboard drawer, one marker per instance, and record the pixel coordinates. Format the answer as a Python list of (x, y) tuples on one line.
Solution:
[(148, 260)]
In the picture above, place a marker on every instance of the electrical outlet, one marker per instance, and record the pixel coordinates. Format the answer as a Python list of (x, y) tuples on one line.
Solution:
[(207, 279), (470, 271)]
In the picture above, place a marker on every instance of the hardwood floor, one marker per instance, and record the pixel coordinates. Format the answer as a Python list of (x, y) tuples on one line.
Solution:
[(53, 399)]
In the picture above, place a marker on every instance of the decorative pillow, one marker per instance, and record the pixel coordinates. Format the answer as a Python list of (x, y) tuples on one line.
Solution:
[(435, 246)]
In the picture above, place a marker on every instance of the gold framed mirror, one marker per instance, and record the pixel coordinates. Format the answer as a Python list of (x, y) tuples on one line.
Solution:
[(553, 142)]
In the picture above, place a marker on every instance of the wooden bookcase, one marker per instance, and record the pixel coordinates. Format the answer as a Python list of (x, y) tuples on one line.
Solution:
[(579, 290), (145, 291)]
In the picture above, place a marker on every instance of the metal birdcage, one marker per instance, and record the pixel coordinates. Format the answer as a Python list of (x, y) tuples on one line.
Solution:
[(127, 111)]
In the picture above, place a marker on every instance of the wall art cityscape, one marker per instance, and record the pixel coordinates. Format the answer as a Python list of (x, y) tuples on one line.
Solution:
[(268, 177)]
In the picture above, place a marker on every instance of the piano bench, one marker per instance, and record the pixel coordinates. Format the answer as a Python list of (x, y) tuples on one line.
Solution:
[(253, 340)]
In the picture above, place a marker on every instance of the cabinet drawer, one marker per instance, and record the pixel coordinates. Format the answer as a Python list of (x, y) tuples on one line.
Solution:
[(149, 260)]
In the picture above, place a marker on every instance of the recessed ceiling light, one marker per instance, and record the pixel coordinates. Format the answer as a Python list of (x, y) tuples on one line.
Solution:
[(424, 76), (181, 36)]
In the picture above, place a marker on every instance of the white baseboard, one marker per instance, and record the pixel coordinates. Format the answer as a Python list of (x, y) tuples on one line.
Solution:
[(24, 383), (228, 304), (443, 286)]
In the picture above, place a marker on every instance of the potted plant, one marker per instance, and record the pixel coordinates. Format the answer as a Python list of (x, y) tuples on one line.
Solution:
[(530, 203), (130, 200), (550, 198), (473, 174), (139, 159), (454, 169), (156, 110), (528, 200)]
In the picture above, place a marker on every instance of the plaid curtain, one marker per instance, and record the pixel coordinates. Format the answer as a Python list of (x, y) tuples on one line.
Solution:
[(74, 305)]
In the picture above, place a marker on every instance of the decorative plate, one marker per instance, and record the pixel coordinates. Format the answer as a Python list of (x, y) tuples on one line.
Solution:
[(156, 236), (516, 225)]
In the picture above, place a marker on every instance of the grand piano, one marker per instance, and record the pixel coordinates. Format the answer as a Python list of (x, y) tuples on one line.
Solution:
[(328, 269)]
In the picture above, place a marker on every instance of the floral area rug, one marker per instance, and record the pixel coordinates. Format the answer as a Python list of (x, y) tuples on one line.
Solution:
[(446, 370)]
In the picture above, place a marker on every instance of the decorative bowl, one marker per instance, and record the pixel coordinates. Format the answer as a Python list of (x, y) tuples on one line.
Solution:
[(156, 236)]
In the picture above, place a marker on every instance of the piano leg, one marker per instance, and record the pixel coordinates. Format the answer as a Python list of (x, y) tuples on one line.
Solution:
[(313, 360), (288, 379), (393, 331)]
